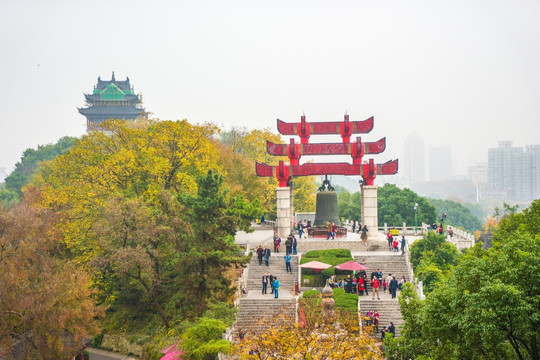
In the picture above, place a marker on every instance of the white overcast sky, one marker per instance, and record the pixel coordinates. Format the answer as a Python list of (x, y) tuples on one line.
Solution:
[(465, 73)]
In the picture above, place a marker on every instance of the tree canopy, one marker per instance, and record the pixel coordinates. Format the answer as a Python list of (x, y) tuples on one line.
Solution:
[(487, 307), (457, 214)]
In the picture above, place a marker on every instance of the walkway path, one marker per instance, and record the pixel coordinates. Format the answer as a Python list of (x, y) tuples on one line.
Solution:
[(96, 354)]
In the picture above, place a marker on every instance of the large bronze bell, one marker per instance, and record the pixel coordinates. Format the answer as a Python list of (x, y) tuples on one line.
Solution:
[(326, 208)]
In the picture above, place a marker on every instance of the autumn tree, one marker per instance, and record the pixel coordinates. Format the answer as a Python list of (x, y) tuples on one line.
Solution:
[(334, 336), (46, 309), (251, 145)]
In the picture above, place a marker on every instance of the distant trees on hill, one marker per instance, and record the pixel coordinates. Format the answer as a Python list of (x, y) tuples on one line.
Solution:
[(457, 214)]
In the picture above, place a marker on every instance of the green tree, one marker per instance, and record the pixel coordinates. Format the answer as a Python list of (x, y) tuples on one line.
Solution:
[(207, 248), (488, 307), (30, 160), (457, 214), (204, 340), (396, 206)]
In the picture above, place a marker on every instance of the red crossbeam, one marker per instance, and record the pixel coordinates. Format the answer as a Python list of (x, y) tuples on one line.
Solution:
[(345, 128), (328, 148), (367, 171)]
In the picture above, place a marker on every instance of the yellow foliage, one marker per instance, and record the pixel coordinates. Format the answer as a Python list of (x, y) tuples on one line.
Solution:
[(133, 159)]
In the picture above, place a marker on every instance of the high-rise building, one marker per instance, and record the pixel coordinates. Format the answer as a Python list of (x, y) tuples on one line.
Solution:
[(531, 173), (440, 163), (478, 173), (515, 171), (111, 100), (414, 158)]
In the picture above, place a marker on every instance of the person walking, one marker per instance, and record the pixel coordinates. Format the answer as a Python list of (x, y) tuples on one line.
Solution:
[(288, 263), (330, 231), (392, 329), (267, 254), (403, 243), (334, 230), (392, 287), (288, 244), (260, 254), (276, 287), (300, 229), (376, 286), (294, 244), (364, 234), (271, 278), (376, 321), (277, 243), (390, 239), (265, 283)]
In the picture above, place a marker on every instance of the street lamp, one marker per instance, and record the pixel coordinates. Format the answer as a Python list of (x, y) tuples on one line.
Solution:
[(415, 207), (443, 217)]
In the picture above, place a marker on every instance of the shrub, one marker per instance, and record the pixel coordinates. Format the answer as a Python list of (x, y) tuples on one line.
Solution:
[(347, 302), (311, 294)]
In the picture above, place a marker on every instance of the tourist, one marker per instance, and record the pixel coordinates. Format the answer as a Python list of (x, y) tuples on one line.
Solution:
[(376, 286), (364, 277), (300, 230), (450, 232), (392, 287), (334, 230), (384, 284), (441, 230), (392, 329), (277, 243), (353, 226), (260, 254), (294, 244), (369, 317), (267, 253), (288, 263), (383, 333), (275, 285), (330, 231), (403, 243), (361, 286), (288, 245), (402, 281), (364, 234), (348, 288), (309, 224), (271, 278), (265, 279), (262, 220), (390, 239), (376, 321), (395, 244)]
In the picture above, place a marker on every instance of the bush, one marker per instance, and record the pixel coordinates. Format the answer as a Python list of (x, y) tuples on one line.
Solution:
[(338, 253), (311, 294), (344, 301)]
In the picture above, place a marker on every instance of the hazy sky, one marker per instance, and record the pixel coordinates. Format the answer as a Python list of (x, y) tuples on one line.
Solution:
[(465, 73)]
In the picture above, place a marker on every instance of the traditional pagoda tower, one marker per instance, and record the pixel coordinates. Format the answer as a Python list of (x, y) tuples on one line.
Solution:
[(111, 100)]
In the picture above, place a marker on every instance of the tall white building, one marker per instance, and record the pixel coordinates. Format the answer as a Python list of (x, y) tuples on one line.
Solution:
[(414, 158), (515, 171), (440, 163)]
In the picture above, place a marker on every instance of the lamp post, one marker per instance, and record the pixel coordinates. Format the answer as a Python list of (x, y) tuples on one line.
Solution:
[(443, 217), (415, 207)]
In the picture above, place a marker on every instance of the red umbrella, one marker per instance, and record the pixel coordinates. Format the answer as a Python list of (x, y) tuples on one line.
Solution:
[(316, 266), (351, 266), (173, 355)]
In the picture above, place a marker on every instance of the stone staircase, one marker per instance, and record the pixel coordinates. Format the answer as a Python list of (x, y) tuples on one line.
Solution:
[(258, 315), (389, 263), (388, 310), (276, 268)]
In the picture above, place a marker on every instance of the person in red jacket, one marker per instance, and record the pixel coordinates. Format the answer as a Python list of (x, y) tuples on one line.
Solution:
[(376, 287)]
